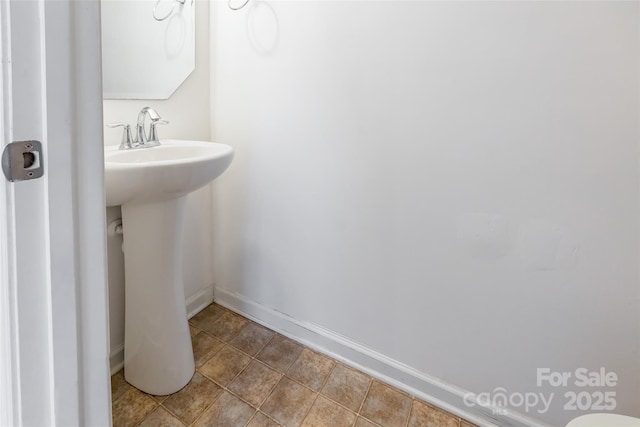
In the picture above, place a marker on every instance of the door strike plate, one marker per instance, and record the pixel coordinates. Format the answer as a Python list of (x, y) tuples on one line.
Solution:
[(22, 161)]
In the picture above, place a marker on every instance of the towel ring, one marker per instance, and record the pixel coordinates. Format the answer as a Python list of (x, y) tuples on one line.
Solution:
[(236, 8), (170, 12)]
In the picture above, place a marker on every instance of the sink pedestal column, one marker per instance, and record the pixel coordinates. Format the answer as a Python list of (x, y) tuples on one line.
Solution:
[(158, 357)]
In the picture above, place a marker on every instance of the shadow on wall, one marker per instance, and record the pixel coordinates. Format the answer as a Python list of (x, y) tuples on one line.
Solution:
[(263, 28)]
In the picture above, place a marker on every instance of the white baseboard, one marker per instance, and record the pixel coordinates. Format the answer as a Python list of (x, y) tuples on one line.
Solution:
[(344, 349), (116, 358), (195, 304)]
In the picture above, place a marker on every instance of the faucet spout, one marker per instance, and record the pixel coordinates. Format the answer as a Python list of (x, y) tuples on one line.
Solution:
[(140, 131)]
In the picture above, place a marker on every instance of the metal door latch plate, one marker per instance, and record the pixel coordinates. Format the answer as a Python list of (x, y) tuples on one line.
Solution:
[(22, 161)]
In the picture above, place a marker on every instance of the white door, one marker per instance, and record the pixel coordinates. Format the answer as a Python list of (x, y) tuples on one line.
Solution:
[(53, 298)]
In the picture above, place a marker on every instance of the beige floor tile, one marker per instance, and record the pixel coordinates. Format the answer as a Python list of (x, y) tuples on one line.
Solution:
[(118, 385), (207, 317), (386, 405), (204, 346), (327, 413), (227, 326), (261, 420), (193, 331), (363, 422), (280, 353), (226, 411), (161, 418), (252, 338), (347, 386), (255, 383), (282, 381), (131, 408), (311, 369), (288, 403), (225, 365), (423, 415), (192, 400)]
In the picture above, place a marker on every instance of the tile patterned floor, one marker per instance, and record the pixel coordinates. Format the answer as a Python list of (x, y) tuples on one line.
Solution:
[(248, 375)]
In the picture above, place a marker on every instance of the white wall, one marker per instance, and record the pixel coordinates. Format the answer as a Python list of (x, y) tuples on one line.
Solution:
[(188, 111), (452, 185)]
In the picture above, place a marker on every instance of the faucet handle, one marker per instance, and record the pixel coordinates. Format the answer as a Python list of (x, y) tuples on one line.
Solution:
[(127, 139), (153, 134)]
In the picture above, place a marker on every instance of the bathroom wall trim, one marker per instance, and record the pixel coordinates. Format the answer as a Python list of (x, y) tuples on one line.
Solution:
[(419, 384), (197, 302), (116, 358)]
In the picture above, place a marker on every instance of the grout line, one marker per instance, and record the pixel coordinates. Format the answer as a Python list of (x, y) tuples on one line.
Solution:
[(269, 394), (145, 417), (173, 414), (270, 390), (268, 416), (365, 395), (209, 405), (266, 344), (306, 414), (210, 355), (326, 380), (365, 399), (411, 406), (251, 418)]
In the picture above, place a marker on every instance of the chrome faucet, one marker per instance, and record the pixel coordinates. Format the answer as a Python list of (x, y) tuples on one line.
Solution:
[(141, 140), (140, 131)]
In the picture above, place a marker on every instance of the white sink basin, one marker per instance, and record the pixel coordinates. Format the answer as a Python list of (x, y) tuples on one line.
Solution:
[(168, 171), (151, 184)]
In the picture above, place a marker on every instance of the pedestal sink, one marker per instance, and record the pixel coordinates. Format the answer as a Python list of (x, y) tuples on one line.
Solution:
[(151, 184)]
